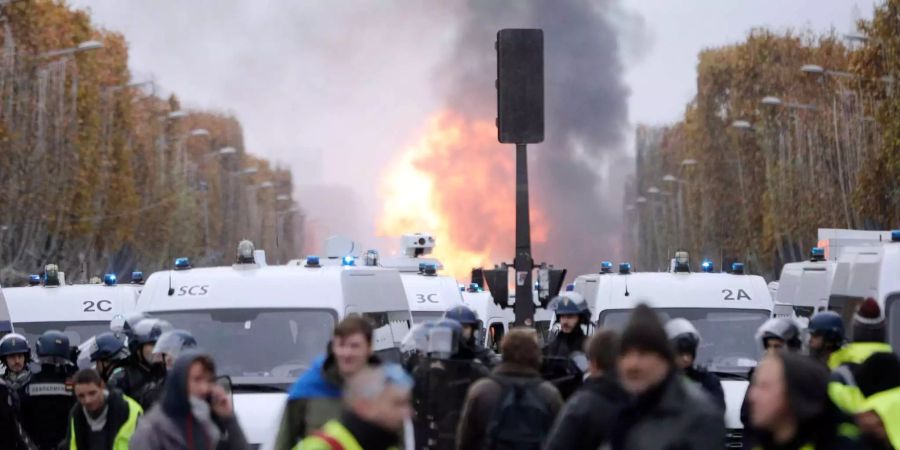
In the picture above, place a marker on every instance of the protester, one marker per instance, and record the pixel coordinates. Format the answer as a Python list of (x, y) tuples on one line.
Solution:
[(514, 407), (315, 398), (586, 420), (667, 411), (790, 409), (878, 379), (869, 337), (376, 407), (685, 340), (47, 398), (193, 413), (103, 419)]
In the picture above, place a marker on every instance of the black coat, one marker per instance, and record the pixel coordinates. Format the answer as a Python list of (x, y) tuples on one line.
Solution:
[(46, 401), (710, 383), (10, 438), (586, 420)]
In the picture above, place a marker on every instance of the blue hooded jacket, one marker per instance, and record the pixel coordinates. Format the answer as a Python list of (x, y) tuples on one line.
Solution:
[(313, 384)]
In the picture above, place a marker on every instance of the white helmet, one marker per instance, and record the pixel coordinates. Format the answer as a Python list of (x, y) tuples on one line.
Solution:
[(680, 326)]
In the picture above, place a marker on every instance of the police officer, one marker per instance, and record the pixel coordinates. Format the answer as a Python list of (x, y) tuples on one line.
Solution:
[(443, 378), (826, 335), (779, 333), (108, 354), (15, 355), (139, 375), (685, 339), (170, 345), (470, 347), (570, 315), (47, 398)]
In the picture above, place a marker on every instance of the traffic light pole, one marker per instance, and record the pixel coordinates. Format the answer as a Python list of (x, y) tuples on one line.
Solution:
[(523, 263)]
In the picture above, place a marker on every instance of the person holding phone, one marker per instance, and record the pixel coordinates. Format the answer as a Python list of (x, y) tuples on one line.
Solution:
[(193, 413)]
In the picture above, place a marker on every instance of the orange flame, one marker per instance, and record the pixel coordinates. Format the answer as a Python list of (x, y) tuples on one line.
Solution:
[(457, 183)]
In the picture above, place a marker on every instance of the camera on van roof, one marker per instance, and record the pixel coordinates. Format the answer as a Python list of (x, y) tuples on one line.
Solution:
[(417, 244)]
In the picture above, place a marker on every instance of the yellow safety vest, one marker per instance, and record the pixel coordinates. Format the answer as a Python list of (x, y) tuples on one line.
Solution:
[(845, 429), (336, 431), (848, 397), (887, 405), (123, 436)]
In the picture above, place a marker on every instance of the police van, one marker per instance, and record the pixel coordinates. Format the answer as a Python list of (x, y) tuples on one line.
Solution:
[(5, 323), (429, 294), (264, 324), (726, 308), (869, 271), (806, 285), (80, 311)]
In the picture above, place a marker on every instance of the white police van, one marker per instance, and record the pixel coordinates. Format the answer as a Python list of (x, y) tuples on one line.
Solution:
[(429, 295), (726, 308), (80, 311), (806, 285), (264, 324), (5, 323), (869, 271)]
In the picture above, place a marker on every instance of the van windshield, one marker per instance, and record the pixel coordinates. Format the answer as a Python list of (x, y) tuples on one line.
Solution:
[(266, 346), (726, 335), (77, 332)]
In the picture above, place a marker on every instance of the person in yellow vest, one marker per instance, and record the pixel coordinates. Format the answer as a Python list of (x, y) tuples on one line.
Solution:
[(102, 419), (377, 404), (790, 409), (879, 418), (869, 337)]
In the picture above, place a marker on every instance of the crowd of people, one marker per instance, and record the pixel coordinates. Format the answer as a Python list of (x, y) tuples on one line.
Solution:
[(147, 386)]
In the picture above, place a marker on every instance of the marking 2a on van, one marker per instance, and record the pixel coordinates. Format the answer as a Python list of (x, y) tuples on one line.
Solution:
[(264, 325)]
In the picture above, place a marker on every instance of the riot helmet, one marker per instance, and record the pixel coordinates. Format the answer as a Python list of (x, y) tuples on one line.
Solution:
[(685, 339), (443, 339), (171, 344), (107, 347), (829, 325), (147, 332), (468, 319), (53, 346), (777, 332), (14, 344)]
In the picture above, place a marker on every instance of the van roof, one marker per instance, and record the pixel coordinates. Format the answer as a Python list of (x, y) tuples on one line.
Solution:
[(806, 283), (70, 303), (676, 290), (338, 288)]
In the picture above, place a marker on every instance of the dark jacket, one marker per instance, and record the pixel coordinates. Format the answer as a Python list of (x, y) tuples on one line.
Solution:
[(313, 400), (586, 420), (171, 425), (121, 420), (564, 344), (483, 397), (139, 382), (710, 383), (438, 394), (10, 433), (831, 430), (676, 414), (45, 404)]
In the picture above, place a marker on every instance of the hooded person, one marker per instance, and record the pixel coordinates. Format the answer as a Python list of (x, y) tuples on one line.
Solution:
[(685, 340), (790, 408), (666, 410), (869, 338), (878, 379), (193, 412)]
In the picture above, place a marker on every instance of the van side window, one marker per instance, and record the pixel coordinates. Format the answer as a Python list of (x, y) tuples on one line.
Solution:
[(495, 335)]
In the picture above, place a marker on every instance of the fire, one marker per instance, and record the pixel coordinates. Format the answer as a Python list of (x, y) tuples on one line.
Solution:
[(456, 182)]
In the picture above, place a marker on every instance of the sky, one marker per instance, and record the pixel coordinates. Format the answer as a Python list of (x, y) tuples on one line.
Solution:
[(334, 89)]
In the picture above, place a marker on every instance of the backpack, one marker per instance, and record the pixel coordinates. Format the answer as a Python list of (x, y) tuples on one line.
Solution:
[(522, 419)]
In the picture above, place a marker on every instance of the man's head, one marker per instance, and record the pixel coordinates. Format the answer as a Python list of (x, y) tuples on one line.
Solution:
[(467, 318), (15, 363), (380, 396), (602, 350), (568, 322), (779, 333), (826, 334), (201, 377), (90, 391), (569, 307), (685, 339), (645, 356), (520, 347), (868, 323), (787, 388), (14, 352), (351, 345)]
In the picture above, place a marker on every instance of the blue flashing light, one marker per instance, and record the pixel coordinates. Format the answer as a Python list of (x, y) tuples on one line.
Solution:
[(737, 268), (474, 287), (429, 269), (110, 279), (817, 254), (137, 277), (570, 287), (348, 260), (895, 235), (707, 266), (182, 263), (624, 268), (34, 280), (312, 261), (606, 267)]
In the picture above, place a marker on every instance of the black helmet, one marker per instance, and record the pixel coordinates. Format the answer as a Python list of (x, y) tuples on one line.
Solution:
[(148, 331), (444, 338), (780, 328), (827, 324), (107, 346), (53, 343), (568, 304), (14, 344), (463, 315)]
